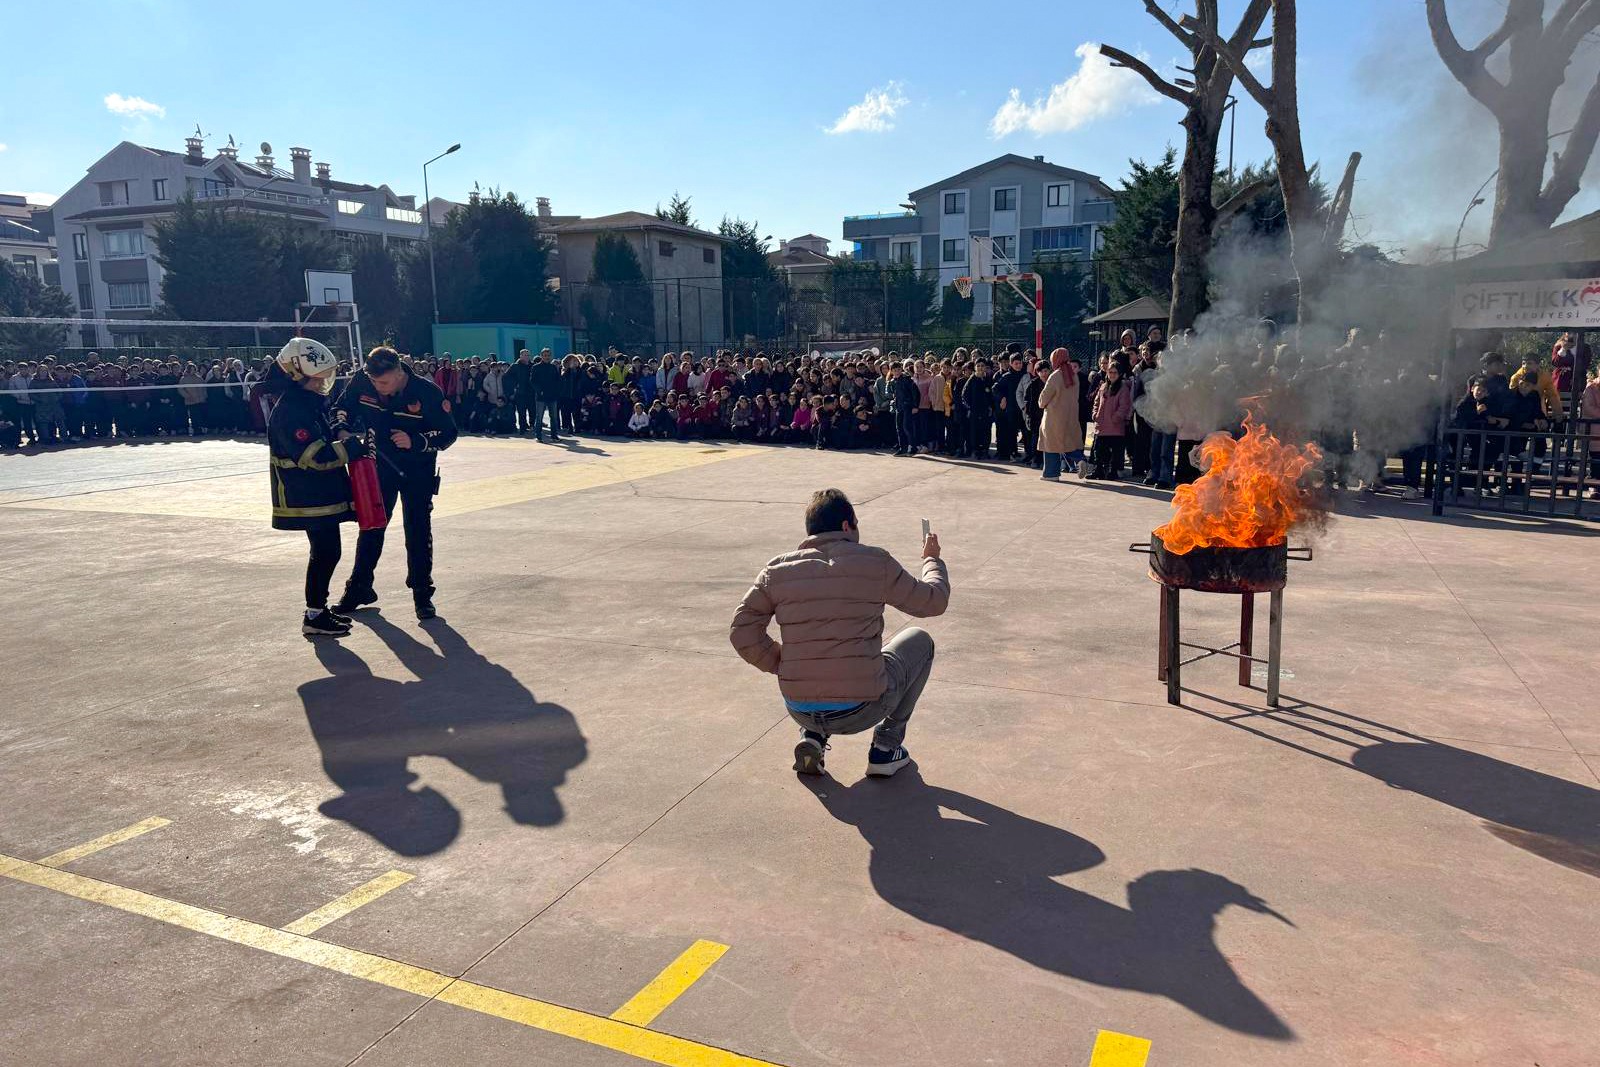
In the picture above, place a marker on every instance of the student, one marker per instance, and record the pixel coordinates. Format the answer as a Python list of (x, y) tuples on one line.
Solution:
[(1589, 409), (1060, 440), (661, 421), (905, 396), (800, 428), (638, 422), (683, 417), (1113, 405), (761, 419), (310, 482), (979, 401), (834, 672), (741, 420)]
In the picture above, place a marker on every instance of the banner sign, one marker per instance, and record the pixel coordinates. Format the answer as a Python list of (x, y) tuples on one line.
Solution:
[(1542, 304)]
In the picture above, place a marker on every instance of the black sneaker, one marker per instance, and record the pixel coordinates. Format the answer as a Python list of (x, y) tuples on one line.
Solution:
[(324, 624), (808, 753), (425, 609), (354, 599), (882, 764), (342, 619)]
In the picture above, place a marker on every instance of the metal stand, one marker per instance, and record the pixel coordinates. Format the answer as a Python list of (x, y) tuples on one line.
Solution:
[(1170, 661)]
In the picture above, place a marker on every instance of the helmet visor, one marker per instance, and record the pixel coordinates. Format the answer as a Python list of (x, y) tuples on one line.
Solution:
[(324, 382)]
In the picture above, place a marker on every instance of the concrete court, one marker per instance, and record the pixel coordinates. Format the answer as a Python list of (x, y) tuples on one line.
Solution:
[(583, 780)]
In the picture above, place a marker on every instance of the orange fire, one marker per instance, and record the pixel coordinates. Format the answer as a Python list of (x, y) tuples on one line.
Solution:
[(1251, 494)]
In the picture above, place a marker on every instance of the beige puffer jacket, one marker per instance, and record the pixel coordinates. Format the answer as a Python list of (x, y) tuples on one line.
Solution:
[(828, 597)]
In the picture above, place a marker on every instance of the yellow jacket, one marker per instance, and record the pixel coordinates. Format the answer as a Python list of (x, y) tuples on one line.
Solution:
[(1548, 393)]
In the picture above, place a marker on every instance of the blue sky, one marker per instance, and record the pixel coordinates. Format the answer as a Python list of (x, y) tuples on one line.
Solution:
[(606, 106)]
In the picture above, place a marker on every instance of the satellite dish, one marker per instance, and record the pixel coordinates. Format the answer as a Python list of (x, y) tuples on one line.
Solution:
[(266, 149)]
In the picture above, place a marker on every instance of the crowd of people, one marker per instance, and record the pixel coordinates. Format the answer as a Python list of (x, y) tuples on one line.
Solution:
[(1148, 404)]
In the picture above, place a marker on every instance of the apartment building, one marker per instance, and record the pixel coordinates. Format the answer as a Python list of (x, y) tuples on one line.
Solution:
[(105, 224), (1029, 208), (27, 238)]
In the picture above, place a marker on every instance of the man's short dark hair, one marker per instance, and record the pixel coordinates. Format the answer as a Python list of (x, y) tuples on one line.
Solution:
[(382, 360), (828, 511)]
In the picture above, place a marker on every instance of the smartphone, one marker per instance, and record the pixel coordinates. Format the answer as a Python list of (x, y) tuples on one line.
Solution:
[(926, 529)]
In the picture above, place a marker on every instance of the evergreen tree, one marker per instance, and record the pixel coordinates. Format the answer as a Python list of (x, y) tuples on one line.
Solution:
[(753, 292), (955, 310), (911, 296), (618, 305), (498, 239), (677, 210), (214, 262), (23, 294), (1136, 254)]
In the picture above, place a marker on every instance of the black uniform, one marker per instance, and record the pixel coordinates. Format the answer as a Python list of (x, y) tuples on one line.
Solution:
[(409, 475), (310, 485)]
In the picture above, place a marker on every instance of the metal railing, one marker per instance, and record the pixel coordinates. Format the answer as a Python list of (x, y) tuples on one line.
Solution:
[(1525, 472)]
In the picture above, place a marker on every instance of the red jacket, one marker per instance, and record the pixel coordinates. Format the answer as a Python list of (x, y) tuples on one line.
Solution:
[(445, 377), (1112, 410)]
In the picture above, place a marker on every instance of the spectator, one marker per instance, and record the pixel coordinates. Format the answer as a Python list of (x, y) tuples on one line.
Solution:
[(544, 379), (1113, 404), (1060, 438)]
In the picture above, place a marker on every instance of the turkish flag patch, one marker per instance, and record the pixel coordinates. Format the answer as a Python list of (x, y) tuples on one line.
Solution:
[(446, 405), (415, 406), (302, 435)]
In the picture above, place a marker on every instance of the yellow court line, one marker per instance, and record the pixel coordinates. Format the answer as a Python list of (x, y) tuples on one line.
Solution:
[(311, 922), (1112, 1049), (117, 837), (552, 1018), (670, 984)]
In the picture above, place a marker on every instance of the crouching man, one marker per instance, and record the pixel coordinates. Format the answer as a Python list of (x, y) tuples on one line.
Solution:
[(834, 671)]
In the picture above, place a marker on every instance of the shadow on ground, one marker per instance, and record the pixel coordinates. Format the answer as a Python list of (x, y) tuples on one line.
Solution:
[(989, 874), (1553, 818), (462, 707)]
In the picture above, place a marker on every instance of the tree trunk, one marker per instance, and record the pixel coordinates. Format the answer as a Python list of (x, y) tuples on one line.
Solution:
[(1197, 217), (1519, 210)]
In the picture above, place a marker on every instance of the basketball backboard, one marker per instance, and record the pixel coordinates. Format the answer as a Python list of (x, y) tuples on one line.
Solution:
[(329, 287)]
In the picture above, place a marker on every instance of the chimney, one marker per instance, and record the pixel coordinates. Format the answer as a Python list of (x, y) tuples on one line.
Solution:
[(472, 197), (783, 244), (264, 161), (228, 151), (301, 160), (324, 173), (196, 148), (1038, 159), (543, 205)]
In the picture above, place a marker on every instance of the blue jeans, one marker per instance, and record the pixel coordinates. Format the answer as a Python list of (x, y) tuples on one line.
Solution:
[(907, 660), (1163, 452), (1055, 461), (542, 410)]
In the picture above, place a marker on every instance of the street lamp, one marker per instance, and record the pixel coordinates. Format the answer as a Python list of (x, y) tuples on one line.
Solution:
[(427, 226)]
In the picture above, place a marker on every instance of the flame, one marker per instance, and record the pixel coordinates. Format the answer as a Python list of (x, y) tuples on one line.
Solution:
[(1252, 492)]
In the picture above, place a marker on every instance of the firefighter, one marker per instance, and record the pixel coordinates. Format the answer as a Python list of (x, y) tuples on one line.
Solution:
[(310, 483), (410, 423)]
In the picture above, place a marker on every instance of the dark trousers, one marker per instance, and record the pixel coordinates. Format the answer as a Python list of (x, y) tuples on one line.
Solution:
[(905, 430), (569, 415), (325, 550), (522, 405), (1138, 448), (1006, 427), (1108, 456), (1187, 471), (1162, 447), (416, 514), (1030, 441), (980, 430)]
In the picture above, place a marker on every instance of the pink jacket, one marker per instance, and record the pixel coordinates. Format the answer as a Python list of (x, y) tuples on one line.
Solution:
[(1589, 407), (828, 597), (1112, 410)]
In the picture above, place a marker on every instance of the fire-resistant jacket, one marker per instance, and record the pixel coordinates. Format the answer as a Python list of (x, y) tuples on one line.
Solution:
[(828, 597), (418, 408), (310, 485)]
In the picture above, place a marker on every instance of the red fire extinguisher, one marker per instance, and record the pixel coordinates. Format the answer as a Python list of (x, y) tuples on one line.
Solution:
[(366, 494)]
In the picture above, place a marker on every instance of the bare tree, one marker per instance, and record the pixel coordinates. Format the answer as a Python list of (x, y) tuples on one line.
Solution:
[(1314, 238), (1205, 101), (1537, 55)]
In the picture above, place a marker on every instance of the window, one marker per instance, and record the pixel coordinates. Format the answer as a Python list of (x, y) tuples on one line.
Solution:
[(128, 295), (350, 207), (1058, 196), (85, 296), (80, 246), (1006, 245), (123, 242), (955, 203), (113, 193), (708, 254), (401, 214), (903, 251), (665, 249), (213, 187), (1058, 239), (158, 188), (1005, 200), (27, 263), (953, 251)]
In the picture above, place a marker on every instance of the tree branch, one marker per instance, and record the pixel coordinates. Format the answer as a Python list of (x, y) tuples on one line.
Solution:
[(1119, 58), (1566, 175), (1249, 25), (1339, 206), (1246, 77), (1582, 21), (1469, 67), (1238, 201), (1172, 26)]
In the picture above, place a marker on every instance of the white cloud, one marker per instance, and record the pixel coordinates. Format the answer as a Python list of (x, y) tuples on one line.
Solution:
[(133, 106), (875, 113), (3, 146), (1096, 90), (1259, 61)]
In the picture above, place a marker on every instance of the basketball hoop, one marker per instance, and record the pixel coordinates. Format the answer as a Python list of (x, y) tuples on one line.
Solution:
[(963, 286)]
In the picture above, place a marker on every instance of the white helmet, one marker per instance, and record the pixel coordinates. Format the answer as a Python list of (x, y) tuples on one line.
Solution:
[(304, 358)]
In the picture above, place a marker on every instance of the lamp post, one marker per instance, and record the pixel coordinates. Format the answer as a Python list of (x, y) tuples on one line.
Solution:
[(427, 226)]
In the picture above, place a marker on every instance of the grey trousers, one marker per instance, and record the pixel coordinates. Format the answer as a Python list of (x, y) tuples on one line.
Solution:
[(907, 659)]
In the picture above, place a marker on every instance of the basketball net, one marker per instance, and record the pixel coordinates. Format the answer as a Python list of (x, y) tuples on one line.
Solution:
[(963, 285)]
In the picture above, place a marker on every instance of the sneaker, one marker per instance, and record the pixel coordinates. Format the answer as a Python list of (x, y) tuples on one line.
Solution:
[(354, 599), (425, 608), (343, 620), (1150, 480), (1411, 492), (323, 623), (1083, 468), (808, 753), (881, 764)]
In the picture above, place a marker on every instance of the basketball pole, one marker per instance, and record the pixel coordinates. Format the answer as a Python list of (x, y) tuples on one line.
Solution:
[(1036, 302)]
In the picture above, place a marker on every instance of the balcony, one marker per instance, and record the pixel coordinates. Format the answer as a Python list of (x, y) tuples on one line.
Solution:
[(857, 227)]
